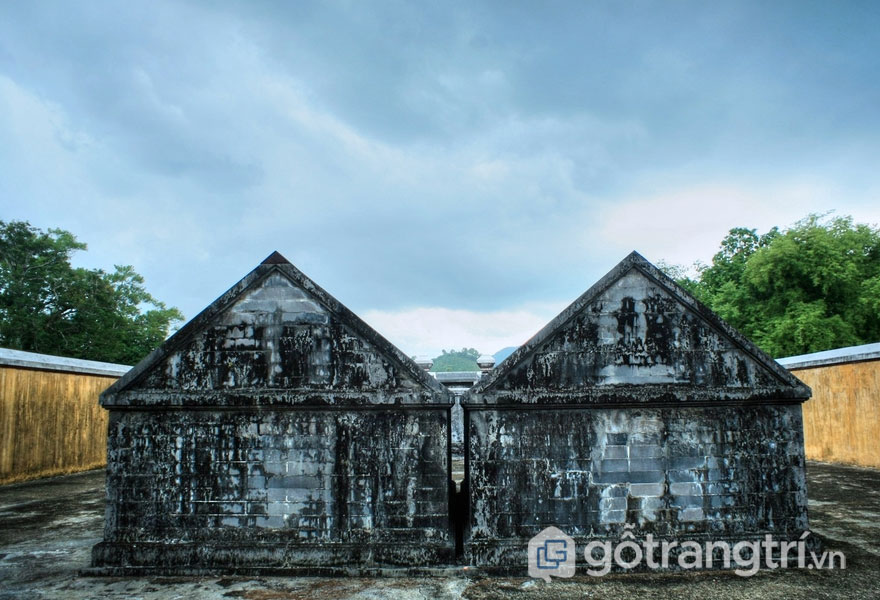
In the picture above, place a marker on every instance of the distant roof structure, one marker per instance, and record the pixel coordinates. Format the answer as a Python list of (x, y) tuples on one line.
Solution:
[(486, 361), (47, 362), (458, 377), (832, 357), (637, 337)]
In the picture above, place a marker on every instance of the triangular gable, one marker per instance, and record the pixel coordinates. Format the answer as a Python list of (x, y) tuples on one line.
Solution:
[(637, 337), (276, 338)]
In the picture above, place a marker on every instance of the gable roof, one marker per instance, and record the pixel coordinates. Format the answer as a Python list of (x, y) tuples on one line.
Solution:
[(276, 338), (637, 337)]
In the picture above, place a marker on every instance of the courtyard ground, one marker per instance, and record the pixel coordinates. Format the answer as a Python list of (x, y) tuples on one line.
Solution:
[(47, 528)]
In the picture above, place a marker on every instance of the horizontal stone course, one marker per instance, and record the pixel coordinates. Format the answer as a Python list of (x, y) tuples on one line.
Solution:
[(687, 492)]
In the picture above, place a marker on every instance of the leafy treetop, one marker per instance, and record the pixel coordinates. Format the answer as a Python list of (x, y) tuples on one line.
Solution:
[(48, 306), (461, 360), (813, 287)]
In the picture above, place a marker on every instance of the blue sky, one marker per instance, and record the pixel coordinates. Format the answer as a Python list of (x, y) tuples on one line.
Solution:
[(455, 172)]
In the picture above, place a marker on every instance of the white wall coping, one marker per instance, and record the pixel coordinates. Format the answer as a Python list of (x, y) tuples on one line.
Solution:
[(832, 357), (47, 362)]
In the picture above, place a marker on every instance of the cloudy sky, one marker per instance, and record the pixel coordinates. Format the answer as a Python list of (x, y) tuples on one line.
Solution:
[(454, 172)]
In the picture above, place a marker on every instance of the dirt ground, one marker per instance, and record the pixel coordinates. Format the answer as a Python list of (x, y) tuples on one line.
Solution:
[(47, 528)]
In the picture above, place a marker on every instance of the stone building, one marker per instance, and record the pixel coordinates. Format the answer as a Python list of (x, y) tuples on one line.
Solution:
[(635, 410), (276, 430)]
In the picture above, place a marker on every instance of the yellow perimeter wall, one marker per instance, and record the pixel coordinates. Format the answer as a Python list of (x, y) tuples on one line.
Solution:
[(842, 419), (50, 423)]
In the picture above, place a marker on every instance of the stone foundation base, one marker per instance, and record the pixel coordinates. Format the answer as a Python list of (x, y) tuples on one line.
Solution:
[(156, 558)]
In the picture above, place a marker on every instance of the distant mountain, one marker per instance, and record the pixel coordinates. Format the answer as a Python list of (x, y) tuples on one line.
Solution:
[(503, 353)]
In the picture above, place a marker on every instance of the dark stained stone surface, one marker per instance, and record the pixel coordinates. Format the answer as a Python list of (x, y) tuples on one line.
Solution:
[(276, 338), (636, 408), (276, 429), (633, 338)]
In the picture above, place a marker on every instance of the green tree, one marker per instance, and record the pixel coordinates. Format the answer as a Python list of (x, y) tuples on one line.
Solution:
[(812, 287), (48, 306), (456, 360)]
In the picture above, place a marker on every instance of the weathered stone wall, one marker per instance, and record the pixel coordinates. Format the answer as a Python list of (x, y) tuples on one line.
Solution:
[(321, 488), (842, 419), (277, 345), (677, 473), (50, 422), (638, 407), (276, 431), (635, 335)]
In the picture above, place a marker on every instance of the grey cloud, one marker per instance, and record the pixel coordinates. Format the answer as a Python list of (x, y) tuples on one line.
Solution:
[(455, 154), (134, 80)]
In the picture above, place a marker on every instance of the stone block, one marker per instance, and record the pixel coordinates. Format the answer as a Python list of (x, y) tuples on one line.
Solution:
[(691, 514), (647, 489), (647, 464), (612, 516), (615, 452), (610, 504), (646, 451), (646, 477), (614, 465), (685, 489)]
